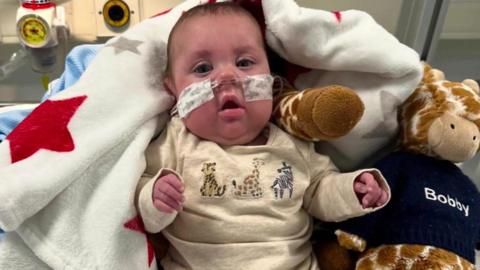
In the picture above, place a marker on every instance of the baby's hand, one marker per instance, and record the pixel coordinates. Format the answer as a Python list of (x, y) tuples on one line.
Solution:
[(368, 191), (168, 194)]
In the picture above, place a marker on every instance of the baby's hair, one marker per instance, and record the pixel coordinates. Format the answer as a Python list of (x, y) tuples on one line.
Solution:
[(218, 8)]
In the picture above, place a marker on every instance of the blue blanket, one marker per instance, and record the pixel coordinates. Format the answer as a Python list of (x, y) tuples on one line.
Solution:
[(75, 64)]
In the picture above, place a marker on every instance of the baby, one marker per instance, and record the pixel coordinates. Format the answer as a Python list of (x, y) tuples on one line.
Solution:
[(228, 189)]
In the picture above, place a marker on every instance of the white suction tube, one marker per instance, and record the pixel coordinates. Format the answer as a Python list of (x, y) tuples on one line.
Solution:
[(17, 59)]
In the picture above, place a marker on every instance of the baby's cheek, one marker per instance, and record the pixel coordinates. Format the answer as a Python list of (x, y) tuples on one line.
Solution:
[(200, 120), (260, 109)]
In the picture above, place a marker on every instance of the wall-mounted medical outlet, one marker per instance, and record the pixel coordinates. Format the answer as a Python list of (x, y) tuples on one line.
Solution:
[(115, 16)]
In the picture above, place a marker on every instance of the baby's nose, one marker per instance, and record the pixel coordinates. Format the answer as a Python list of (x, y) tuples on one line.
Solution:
[(228, 80), (228, 86), (227, 73)]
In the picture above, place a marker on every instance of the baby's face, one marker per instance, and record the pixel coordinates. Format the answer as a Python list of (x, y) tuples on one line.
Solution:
[(221, 47)]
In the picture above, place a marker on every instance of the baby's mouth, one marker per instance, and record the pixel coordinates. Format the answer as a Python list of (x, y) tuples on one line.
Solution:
[(231, 108), (230, 103)]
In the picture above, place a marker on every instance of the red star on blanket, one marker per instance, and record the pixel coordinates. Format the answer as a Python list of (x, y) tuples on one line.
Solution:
[(162, 13), (338, 15), (45, 128), (136, 224)]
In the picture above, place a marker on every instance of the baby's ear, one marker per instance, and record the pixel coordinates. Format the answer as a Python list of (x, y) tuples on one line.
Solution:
[(169, 85)]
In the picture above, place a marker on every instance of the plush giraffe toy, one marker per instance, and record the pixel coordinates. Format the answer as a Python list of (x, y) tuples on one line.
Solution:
[(433, 218), (317, 114)]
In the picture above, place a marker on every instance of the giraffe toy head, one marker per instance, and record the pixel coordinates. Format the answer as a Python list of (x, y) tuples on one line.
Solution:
[(441, 118)]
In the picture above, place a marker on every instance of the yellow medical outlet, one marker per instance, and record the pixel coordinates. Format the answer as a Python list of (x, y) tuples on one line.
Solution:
[(33, 31), (116, 13)]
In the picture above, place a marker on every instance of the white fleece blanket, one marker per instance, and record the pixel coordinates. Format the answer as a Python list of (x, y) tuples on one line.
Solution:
[(351, 49), (68, 172)]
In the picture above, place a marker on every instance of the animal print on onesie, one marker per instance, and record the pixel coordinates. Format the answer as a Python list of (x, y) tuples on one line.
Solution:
[(284, 181), (251, 186), (210, 187)]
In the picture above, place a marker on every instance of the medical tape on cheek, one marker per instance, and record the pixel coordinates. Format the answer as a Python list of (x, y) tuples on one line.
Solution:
[(256, 87), (193, 96)]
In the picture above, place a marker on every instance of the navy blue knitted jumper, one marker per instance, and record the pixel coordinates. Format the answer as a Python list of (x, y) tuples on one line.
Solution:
[(433, 203)]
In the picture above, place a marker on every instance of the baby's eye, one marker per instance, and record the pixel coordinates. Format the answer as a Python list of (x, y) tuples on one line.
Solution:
[(244, 62), (202, 68)]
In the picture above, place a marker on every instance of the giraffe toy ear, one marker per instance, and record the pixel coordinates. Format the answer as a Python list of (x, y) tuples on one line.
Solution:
[(331, 254), (437, 75), (431, 75), (472, 84)]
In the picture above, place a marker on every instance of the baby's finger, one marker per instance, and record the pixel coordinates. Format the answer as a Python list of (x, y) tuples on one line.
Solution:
[(383, 199), (171, 202), (170, 191), (376, 192), (174, 182), (369, 180), (360, 187), (163, 207), (366, 200)]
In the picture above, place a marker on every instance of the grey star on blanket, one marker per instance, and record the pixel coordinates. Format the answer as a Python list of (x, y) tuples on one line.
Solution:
[(388, 126), (124, 44)]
